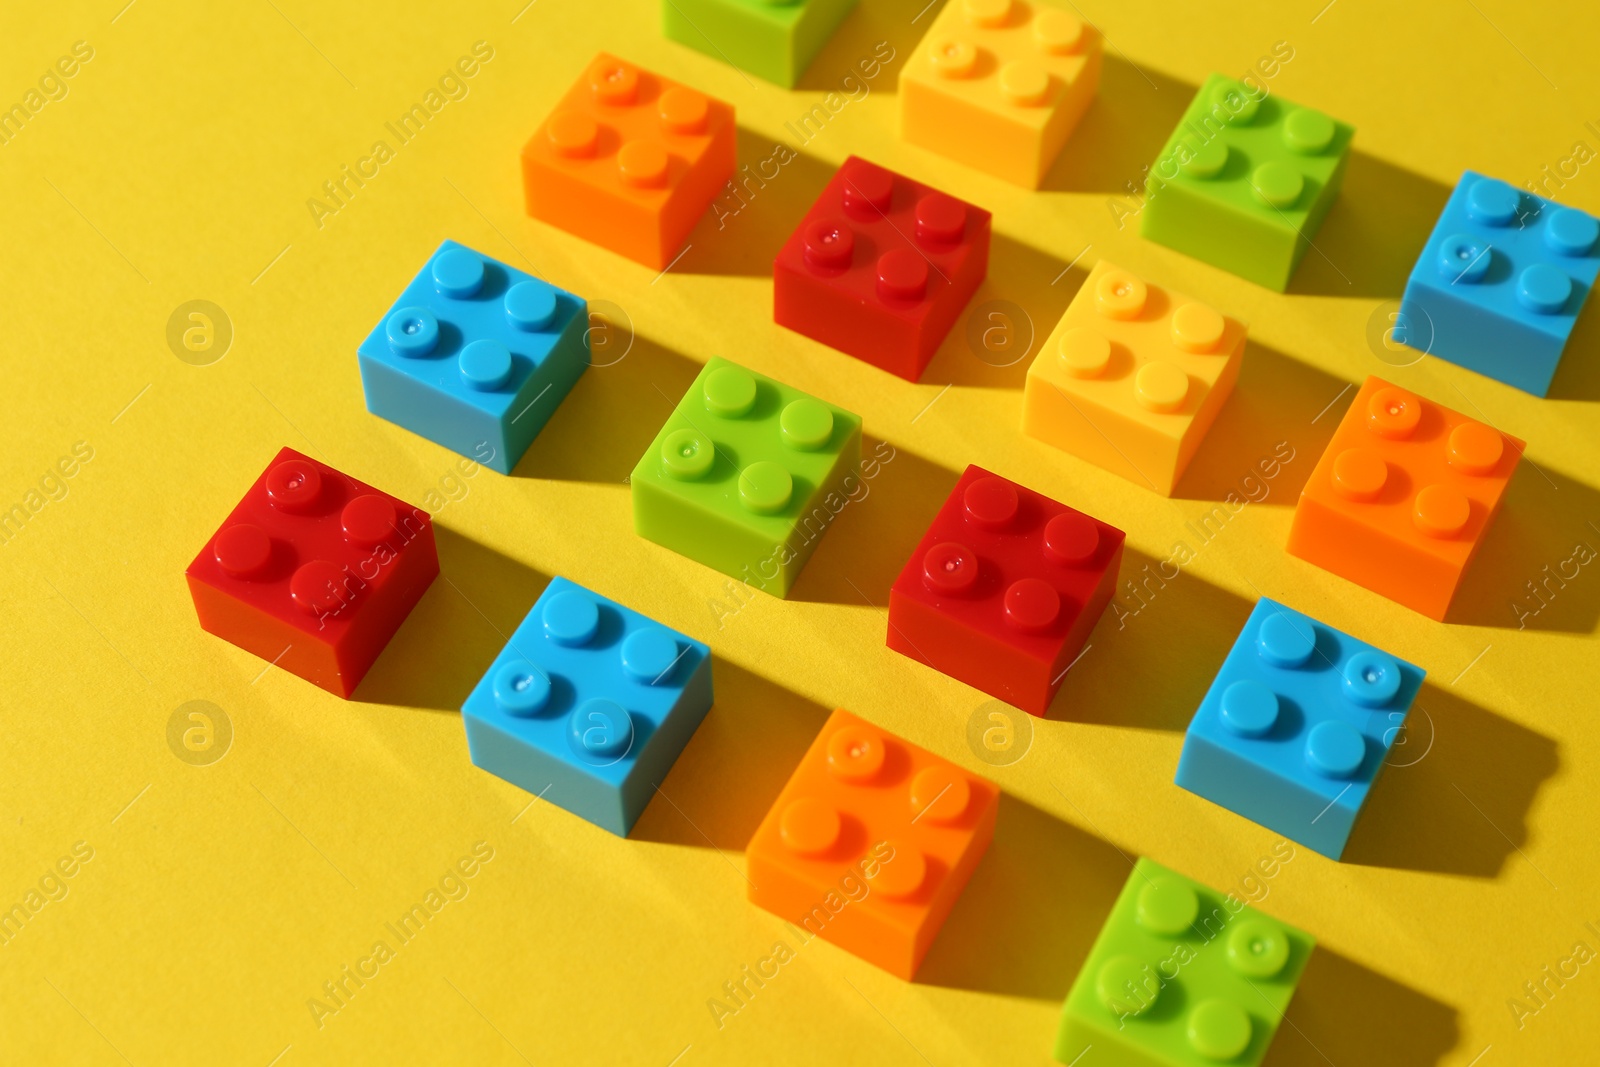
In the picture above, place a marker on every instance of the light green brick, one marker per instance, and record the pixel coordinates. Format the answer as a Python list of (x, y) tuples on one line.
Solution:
[(746, 476), (1245, 181), (772, 40), (1180, 976)]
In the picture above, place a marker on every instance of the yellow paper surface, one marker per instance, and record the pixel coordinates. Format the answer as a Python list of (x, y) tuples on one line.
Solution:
[(176, 164)]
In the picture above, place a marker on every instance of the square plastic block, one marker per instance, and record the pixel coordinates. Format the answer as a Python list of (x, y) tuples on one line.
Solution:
[(881, 267), (1296, 726), (1000, 85), (871, 843), (1132, 377), (775, 41), (1181, 976), (629, 160), (1402, 497), (475, 356), (1244, 181), (746, 476), (588, 705), (314, 571), (1500, 283), (1004, 588)]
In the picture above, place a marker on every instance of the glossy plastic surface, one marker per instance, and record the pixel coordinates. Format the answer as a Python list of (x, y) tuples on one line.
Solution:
[(1294, 730), (1004, 589), (1132, 377), (1180, 976), (881, 267), (1501, 283), (746, 476), (772, 39), (870, 843), (1245, 180), (1403, 496), (588, 705), (475, 356), (1000, 85), (314, 571), (629, 160)]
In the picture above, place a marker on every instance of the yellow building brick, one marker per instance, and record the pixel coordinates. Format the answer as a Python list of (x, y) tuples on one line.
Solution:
[(1132, 377)]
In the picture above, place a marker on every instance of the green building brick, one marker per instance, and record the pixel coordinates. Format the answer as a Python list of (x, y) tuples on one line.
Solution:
[(1180, 976), (1245, 180), (746, 476), (771, 39)]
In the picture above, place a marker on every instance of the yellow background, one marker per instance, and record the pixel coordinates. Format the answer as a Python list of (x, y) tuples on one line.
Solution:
[(219, 898)]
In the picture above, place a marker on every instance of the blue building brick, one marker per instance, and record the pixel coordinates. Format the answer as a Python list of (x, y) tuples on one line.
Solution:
[(1500, 283), (1296, 727), (475, 356), (588, 705)]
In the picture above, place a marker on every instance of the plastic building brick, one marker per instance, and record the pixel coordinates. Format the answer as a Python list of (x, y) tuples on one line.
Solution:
[(629, 161), (1244, 181), (1501, 282), (772, 39), (314, 571), (999, 85), (1004, 588), (588, 705), (1132, 377), (881, 267), (1180, 976), (1402, 497), (475, 356), (1296, 726), (746, 476), (871, 843)]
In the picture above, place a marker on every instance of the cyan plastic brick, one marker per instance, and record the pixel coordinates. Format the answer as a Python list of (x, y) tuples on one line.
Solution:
[(588, 705), (1297, 726), (475, 356), (1501, 282)]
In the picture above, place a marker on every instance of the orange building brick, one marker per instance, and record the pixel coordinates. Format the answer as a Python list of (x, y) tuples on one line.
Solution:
[(1132, 377), (871, 842), (1402, 497), (629, 161)]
